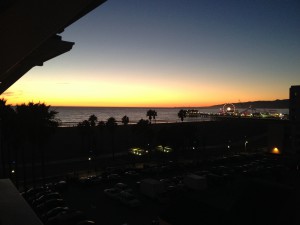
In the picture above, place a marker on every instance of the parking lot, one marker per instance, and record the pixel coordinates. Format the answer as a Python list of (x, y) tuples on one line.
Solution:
[(87, 193), (90, 198)]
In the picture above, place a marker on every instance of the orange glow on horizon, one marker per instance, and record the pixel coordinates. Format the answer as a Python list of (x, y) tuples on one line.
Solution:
[(107, 93), (119, 88), (89, 103)]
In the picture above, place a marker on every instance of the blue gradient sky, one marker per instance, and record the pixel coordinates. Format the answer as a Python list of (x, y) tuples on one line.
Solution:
[(172, 53)]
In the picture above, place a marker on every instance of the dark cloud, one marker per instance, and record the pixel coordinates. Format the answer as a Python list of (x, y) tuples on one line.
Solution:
[(8, 93), (15, 94)]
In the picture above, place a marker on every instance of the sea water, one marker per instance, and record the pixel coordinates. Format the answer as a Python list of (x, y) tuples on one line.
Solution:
[(71, 116)]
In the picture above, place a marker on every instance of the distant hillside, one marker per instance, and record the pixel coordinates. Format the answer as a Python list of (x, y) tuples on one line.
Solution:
[(277, 104)]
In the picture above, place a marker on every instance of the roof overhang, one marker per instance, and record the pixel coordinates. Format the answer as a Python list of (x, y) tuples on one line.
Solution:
[(29, 33)]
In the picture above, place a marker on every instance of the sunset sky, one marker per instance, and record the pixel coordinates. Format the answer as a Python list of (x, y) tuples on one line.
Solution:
[(172, 53)]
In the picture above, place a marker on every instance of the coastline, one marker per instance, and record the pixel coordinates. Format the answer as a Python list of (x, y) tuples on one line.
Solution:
[(71, 116)]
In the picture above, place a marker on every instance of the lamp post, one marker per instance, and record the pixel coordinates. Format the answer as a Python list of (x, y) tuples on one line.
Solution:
[(229, 144), (89, 161), (246, 142)]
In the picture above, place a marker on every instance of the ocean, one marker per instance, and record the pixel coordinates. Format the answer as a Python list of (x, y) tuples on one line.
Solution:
[(71, 116)]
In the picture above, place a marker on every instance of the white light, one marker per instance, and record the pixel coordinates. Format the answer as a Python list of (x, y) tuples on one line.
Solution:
[(89, 158), (228, 109), (13, 171), (228, 146)]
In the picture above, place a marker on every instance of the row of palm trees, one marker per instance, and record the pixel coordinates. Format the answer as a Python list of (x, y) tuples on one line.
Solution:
[(91, 129), (152, 114), (88, 130), (24, 130)]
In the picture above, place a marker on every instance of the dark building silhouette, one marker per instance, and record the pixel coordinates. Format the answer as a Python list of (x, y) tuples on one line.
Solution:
[(30, 36), (294, 110), (294, 115), (30, 33)]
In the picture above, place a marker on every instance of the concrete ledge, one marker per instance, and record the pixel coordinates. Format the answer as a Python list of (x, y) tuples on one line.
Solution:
[(14, 210)]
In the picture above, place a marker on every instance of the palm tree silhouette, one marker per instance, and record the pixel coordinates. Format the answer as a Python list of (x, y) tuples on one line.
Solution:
[(36, 122), (182, 114), (101, 128), (93, 120), (125, 120), (7, 118), (151, 114), (85, 131), (111, 125), (143, 133)]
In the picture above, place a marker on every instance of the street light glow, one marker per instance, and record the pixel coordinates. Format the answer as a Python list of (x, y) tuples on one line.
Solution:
[(275, 150)]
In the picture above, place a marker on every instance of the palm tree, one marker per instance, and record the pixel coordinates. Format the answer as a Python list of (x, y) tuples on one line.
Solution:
[(7, 117), (93, 120), (154, 113), (125, 120), (182, 114), (111, 125), (101, 128), (143, 133), (151, 114), (84, 129), (36, 122)]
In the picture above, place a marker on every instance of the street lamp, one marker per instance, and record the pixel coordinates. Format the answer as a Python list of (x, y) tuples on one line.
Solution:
[(229, 144), (275, 150), (246, 142)]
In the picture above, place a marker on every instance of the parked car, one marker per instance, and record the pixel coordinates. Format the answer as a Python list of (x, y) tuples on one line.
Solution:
[(45, 197), (68, 218), (32, 192), (49, 204), (61, 185), (131, 173), (128, 199), (54, 212), (113, 176), (90, 180), (112, 193), (37, 195), (122, 187), (86, 222)]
